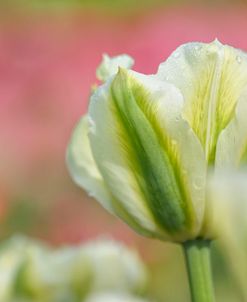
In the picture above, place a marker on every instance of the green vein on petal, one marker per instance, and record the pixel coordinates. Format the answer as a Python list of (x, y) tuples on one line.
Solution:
[(211, 77), (147, 149)]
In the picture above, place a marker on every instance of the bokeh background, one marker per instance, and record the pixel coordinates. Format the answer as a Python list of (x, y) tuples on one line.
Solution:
[(49, 51)]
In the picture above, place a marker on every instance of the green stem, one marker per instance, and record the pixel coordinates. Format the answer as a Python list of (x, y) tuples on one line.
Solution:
[(197, 255)]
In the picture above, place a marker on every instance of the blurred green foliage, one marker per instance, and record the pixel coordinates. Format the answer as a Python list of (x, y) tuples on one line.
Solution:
[(24, 216), (102, 5), (109, 5)]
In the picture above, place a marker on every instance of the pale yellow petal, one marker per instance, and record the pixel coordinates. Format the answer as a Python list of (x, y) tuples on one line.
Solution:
[(112, 166), (232, 144), (82, 166), (211, 78), (109, 66)]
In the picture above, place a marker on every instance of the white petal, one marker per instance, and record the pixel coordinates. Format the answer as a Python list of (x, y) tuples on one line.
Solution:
[(211, 78), (110, 162), (82, 166), (129, 273), (192, 159), (109, 66), (232, 144), (229, 194)]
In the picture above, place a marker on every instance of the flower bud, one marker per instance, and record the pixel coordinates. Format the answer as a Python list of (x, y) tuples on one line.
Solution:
[(152, 139)]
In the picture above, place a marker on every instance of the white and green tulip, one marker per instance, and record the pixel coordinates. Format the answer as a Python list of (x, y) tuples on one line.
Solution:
[(127, 272), (145, 146), (34, 272)]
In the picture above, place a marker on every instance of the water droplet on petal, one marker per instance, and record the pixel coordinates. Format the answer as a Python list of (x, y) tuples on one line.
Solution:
[(239, 59), (176, 54), (198, 182), (91, 125)]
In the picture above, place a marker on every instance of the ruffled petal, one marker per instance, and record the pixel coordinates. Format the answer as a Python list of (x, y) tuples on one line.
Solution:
[(109, 66)]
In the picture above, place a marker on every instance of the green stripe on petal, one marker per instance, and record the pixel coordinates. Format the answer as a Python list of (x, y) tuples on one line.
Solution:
[(85, 173), (211, 78), (137, 146), (143, 142), (127, 200)]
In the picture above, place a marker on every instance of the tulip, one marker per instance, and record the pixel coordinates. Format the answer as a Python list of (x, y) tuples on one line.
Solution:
[(145, 147), (56, 275), (32, 271), (11, 261), (128, 273), (142, 188)]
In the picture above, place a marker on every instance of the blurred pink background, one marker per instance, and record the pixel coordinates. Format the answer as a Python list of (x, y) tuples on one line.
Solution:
[(48, 58), (47, 66)]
